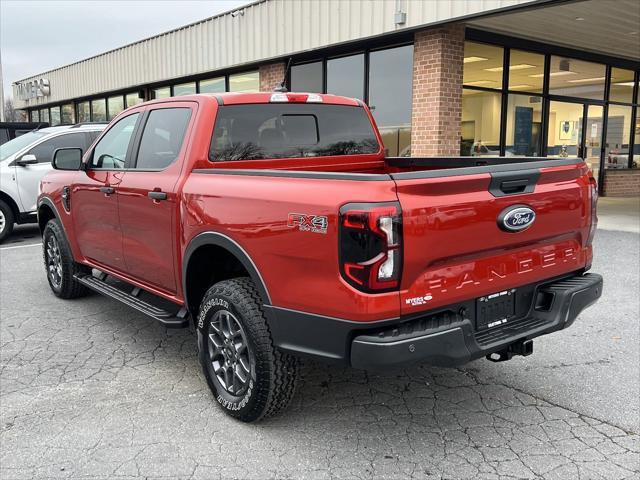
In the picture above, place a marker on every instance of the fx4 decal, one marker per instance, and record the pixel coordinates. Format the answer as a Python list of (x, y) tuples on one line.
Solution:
[(308, 223)]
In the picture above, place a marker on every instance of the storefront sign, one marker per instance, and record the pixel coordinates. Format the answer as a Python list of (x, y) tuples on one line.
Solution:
[(33, 89)]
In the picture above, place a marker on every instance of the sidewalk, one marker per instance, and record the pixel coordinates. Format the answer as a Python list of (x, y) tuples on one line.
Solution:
[(621, 214)]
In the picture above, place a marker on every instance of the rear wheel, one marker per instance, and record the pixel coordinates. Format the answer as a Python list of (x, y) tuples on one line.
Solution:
[(59, 263), (6, 220), (250, 378)]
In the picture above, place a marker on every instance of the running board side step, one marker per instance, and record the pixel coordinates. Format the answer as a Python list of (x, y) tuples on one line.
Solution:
[(168, 319)]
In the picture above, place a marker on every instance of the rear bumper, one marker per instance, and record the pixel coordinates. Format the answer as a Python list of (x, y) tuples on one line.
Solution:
[(447, 337)]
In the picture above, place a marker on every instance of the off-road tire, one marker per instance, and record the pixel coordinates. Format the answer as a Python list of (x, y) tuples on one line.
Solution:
[(273, 374), (67, 286), (6, 226)]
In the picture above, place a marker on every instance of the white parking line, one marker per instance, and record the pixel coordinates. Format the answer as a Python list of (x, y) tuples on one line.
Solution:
[(21, 246)]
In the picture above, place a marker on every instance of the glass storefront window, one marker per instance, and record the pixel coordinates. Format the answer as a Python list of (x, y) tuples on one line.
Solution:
[(576, 78), (55, 116), (390, 97), (480, 123), (307, 77), (133, 99), (345, 76), (162, 92), (98, 110), (526, 71), (68, 114), (616, 153), (83, 112), (524, 126), (213, 85), (184, 89), (635, 158), (115, 106), (44, 115), (621, 85), (244, 82), (35, 116), (483, 65)]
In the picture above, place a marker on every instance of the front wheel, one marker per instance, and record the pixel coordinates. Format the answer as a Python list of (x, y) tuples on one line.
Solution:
[(6, 220), (59, 263), (250, 378)]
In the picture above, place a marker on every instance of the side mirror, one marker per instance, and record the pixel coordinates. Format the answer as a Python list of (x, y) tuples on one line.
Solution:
[(28, 159), (67, 159)]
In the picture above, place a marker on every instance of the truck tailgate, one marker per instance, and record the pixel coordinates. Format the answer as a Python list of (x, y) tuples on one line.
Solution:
[(456, 246)]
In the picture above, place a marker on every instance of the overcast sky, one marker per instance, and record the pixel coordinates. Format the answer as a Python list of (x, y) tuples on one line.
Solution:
[(36, 36)]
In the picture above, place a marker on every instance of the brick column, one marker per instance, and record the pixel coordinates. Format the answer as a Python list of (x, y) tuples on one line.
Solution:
[(438, 56), (270, 76)]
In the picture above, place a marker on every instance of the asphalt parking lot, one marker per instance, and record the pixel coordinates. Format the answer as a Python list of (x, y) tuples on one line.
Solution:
[(92, 389)]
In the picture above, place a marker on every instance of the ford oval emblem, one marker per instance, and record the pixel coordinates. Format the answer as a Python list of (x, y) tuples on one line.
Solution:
[(516, 218)]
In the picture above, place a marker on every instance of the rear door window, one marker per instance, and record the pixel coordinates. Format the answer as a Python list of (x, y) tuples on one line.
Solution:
[(162, 137), (271, 131)]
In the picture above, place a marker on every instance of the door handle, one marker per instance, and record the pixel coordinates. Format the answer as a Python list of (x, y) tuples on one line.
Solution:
[(107, 190), (155, 195)]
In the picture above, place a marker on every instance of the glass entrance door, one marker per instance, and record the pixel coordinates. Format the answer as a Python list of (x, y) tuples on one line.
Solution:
[(565, 137)]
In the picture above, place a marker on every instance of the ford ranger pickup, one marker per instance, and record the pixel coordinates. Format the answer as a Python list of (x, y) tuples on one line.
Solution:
[(275, 225)]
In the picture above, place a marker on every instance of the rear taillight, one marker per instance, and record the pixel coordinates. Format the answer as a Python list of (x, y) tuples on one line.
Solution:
[(371, 246), (593, 194)]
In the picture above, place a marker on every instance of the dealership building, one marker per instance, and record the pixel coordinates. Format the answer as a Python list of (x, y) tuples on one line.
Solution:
[(544, 78)]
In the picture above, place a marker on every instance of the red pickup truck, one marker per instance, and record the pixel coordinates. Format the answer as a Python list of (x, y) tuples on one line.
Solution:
[(274, 223)]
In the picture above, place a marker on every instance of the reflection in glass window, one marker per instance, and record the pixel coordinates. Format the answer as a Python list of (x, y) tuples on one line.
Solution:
[(162, 137), (35, 116), (83, 112), (213, 85), (618, 134), (576, 78), (68, 115), (133, 99), (483, 65), (621, 85), (480, 130), (99, 110), (162, 92), (526, 71), (44, 115), (55, 116), (116, 105), (345, 76), (524, 126), (390, 83), (244, 82), (184, 89), (307, 77)]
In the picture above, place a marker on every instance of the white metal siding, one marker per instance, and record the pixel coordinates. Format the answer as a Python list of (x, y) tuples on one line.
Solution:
[(268, 29)]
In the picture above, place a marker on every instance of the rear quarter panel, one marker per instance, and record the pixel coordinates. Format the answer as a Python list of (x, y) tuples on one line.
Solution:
[(300, 268)]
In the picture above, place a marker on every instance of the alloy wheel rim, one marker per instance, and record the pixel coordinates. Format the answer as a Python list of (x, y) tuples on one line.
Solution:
[(229, 353), (54, 262), (2, 221)]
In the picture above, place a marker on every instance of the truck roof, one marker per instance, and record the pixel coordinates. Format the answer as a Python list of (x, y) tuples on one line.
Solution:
[(240, 98)]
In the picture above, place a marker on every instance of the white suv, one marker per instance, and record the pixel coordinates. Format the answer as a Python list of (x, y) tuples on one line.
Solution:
[(24, 161)]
